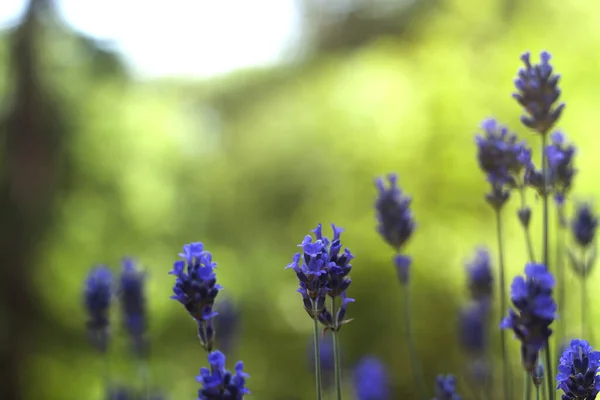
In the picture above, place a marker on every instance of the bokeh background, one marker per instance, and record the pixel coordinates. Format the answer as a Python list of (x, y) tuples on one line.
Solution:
[(131, 128)]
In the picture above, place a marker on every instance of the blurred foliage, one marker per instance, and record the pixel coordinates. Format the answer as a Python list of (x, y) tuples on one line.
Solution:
[(250, 163)]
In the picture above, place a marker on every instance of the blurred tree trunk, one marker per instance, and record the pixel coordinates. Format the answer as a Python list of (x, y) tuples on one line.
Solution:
[(27, 191)]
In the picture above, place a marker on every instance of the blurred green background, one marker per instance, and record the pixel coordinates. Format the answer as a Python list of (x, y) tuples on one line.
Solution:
[(99, 163)]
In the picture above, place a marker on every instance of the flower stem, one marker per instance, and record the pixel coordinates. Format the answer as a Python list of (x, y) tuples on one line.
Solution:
[(336, 356), (546, 260), (505, 373), (528, 240), (560, 272), (317, 354), (537, 392), (144, 374), (583, 305), (414, 360), (526, 386)]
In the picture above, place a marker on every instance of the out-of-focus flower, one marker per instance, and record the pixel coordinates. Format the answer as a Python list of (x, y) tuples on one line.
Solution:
[(133, 304), (97, 298), (445, 388), (371, 381)]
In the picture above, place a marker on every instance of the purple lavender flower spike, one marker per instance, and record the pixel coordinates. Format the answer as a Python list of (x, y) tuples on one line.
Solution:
[(220, 384), (538, 92), (371, 381), (133, 305), (534, 311), (578, 372), (445, 388)]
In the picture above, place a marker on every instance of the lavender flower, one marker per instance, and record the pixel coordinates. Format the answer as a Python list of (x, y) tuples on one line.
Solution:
[(227, 324), (445, 388), (371, 380), (197, 289), (472, 327), (396, 222), (220, 384), (536, 310), (560, 163), (538, 92), (584, 225), (577, 373), (479, 272), (322, 271), (133, 305), (97, 297), (502, 158)]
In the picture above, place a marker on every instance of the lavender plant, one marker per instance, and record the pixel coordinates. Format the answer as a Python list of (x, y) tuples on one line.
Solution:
[(323, 265)]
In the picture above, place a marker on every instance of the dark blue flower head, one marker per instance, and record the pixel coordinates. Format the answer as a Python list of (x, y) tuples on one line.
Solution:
[(396, 222), (479, 272), (133, 304), (538, 92), (584, 225), (322, 269), (196, 287), (371, 380), (219, 383), (560, 165), (535, 310), (502, 157), (97, 297), (577, 372), (472, 327), (227, 324), (445, 388)]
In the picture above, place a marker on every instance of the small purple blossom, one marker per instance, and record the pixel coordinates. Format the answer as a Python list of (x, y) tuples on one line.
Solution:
[(371, 381), (472, 326), (560, 166), (445, 388), (480, 277), (577, 372), (196, 288), (220, 384), (584, 225), (502, 157), (322, 269), (97, 298), (538, 92), (534, 311), (133, 304), (396, 222)]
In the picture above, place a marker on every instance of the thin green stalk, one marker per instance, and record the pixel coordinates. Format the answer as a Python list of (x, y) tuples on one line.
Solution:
[(144, 374), (336, 356), (526, 231), (317, 355), (537, 392), (546, 259), (416, 366), (560, 273), (583, 305), (505, 372), (526, 386)]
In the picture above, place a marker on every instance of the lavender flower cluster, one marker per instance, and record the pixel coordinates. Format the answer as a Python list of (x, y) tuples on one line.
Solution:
[(323, 265)]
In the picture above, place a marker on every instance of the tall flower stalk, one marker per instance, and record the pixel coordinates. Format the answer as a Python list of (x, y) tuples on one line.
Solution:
[(396, 226), (322, 270)]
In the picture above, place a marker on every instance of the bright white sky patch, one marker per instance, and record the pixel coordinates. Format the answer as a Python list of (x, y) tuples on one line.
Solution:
[(182, 37)]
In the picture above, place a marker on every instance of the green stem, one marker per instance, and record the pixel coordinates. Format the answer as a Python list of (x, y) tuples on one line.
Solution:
[(537, 392), (505, 372), (336, 355), (526, 386), (317, 354), (546, 260), (144, 374), (560, 272), (528, 240), (583, 305), (416, 367)]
